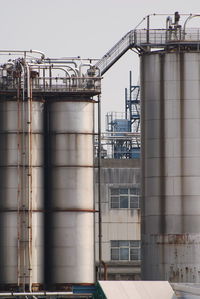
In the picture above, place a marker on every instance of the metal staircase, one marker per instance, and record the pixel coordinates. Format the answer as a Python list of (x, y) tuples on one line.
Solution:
[(115, 52), (143, 40)]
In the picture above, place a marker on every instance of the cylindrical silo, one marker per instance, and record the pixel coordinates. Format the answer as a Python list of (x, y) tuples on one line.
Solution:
[(21, 217), (170, 85), (70, 227)]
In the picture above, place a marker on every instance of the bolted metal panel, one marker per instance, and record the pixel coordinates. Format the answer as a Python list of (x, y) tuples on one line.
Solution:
[(170, 166), (70, 180), (21, 259)]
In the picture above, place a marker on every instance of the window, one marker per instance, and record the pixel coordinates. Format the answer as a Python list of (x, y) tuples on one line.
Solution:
[(125, 250), (125, 198)]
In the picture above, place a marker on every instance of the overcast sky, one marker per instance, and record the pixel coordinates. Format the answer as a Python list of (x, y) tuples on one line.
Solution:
[(86, 28)]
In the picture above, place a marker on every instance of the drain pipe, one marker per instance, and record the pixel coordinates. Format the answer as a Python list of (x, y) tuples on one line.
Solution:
[(99, 185), (105, 274)]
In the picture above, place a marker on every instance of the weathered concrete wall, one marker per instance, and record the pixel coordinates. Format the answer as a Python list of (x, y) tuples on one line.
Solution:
[(117, 224)]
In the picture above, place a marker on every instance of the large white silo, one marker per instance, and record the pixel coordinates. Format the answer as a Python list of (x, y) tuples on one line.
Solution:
[(21, 195), (170, 84), (71, 204)]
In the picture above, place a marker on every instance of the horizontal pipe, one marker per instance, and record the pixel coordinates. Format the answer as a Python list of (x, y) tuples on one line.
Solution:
[(71, 58), (120, 132), (3, 210), (123, 138), (35, 294), (61, 61), (24, 52)]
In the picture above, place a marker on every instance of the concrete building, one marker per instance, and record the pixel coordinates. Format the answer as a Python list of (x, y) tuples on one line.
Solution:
[(120, 205)]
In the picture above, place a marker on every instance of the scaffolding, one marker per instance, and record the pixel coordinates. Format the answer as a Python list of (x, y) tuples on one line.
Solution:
[(122, 137)]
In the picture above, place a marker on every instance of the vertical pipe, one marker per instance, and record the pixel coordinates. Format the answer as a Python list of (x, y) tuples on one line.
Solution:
[(43, 74), (148, 25), (126, 102), (23, 189), (18, 178), (29, 199), (130, 101), (99, 184), (50, 77)]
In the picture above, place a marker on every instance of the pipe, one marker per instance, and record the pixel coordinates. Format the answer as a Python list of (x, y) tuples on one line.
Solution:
[(98, 69), (50, 67), (168, 22), (26, 79), (75, 70), (78, 58), (130, 89), (38, 52), (82, 65), (148, 27), (29, 98), (12, 294), (99, 185), (105, 274), (61, 61), (24, 52), (121, 132), (187, 20), (44, 67), (23, 176)]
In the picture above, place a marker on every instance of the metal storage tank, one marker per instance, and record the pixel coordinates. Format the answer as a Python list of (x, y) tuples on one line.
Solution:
[(170, 84), (71, 219), (21, 219)]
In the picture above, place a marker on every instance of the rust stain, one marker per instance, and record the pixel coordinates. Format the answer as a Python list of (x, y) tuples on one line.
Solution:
[(175, 239)]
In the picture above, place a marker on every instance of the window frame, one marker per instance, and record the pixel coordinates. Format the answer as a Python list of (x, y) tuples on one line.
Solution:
[(121, 200), (131, 246)]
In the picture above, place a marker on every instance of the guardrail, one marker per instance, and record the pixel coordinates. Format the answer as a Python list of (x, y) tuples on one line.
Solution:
[(158, 37), (56, 84), (155, 38)]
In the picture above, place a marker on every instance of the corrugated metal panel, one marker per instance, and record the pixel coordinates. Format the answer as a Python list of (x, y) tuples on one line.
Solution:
[(137, 289)]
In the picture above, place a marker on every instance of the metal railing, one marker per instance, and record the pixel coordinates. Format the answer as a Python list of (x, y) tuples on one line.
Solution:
[(118, 145), (115, 52), (155, 38), (57, 84), (144, 36), (160, 37)]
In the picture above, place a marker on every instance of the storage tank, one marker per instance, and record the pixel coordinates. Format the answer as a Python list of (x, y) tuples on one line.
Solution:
[(170, 82), (46, 168), (21, 176), (70, 225)]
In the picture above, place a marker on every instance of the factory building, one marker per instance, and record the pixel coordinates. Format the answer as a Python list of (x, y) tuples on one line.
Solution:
[(47, 184), (120, 203), (120, 192)]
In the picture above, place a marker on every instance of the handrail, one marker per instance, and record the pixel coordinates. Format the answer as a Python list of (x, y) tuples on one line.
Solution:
[(156, 38), (119, 49)]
